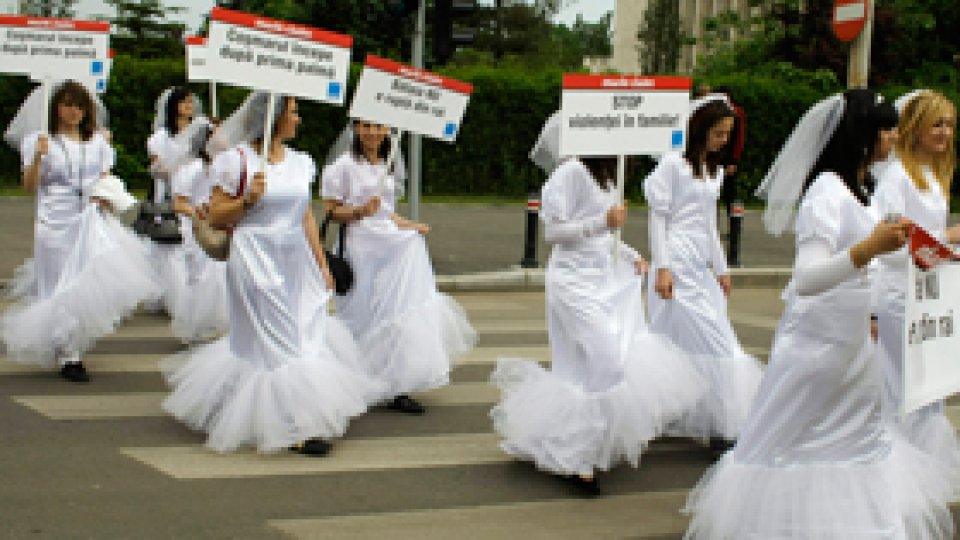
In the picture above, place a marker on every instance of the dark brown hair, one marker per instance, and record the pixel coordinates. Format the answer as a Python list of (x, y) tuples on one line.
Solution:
[(73, 93), (698, 129)]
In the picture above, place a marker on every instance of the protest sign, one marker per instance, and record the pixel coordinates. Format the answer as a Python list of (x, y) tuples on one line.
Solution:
[(277, 56), (613, 115), (931, 362), (55, 49), (410, 99)]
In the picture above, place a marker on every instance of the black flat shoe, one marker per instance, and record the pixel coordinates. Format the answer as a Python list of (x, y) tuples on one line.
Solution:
[(312, 447), (74, 372), (584, 487), (406, 404)]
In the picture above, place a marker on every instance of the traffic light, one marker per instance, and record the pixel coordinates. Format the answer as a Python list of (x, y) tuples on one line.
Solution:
[(402, 8), (447, 34)]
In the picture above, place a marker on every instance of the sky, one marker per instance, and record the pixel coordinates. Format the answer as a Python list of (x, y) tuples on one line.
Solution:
[(591, 10)]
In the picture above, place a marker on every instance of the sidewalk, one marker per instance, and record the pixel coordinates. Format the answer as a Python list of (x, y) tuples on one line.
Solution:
[(473, 246)]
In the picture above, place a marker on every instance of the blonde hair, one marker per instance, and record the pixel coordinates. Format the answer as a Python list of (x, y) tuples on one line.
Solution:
[(919, 115)]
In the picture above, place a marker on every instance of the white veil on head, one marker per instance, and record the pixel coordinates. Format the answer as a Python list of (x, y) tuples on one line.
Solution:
[(246, 123), (783, 184), (697, 104), (160, 111), (901, 102), (29, 119), (546, 151), (344, 144)]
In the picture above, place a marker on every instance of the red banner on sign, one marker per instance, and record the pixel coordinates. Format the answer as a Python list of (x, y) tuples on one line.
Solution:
[(419, 75), (581, 81), (283, 28), (47, 23), (195, 40)]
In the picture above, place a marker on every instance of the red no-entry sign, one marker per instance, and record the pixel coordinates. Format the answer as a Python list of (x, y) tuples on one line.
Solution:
[(849, 17)]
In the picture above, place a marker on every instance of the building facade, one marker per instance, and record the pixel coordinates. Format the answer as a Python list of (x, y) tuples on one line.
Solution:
[(628, 15)]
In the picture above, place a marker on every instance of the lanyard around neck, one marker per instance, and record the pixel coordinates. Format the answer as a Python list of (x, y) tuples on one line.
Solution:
[(69, 162)]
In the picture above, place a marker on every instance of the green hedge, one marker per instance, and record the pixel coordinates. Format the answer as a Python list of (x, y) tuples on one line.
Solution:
[(506, 111)]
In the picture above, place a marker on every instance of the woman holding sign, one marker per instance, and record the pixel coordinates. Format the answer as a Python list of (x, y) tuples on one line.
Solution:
[(407, 331), (687, 300), (613, 386), (88, 271), (283, 376), (815, 458), (200, 310), (916, 185), (177, 121)]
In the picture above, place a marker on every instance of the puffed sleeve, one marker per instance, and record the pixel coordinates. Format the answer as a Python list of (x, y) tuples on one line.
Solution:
[(108, 155), (28, 148), (889, 197), (820, 215), (185, 177), (309, 168), (658, 185), (227, 169), (335, 182), (155, 143), (658, 191)]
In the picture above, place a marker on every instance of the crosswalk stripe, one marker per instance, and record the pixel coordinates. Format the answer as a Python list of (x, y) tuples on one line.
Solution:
[(146, 404), (96, 363), (637, 515), (756, 321), (348, 455)]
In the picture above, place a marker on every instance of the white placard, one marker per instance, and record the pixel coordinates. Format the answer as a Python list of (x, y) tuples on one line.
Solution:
[(606, 115), (276, 56), (410, 99), (931, 351), (55, 49), (96, 84), (196, 50)]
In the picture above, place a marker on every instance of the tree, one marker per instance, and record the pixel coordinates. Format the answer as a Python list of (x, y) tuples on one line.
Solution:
[(142, 29), (660, 37), (48, 8)]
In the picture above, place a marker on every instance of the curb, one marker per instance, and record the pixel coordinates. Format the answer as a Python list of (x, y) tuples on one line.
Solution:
[(532, 279)]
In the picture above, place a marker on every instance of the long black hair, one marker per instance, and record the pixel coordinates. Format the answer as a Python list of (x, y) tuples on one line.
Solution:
[(177, 95), (853, 144), (602, 169), (698, 128)]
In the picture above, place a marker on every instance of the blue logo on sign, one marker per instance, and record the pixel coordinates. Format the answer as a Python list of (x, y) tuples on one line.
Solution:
[(96, 67), (450, 130), (101, 85), (677, 139), (333, 90)]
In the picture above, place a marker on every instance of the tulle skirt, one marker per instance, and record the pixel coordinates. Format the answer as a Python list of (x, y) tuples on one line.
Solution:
[(241, 403), (902, 496), (407, 332), (566, 430), (199, 308), (106, 274), (724, 409), (696, 321)]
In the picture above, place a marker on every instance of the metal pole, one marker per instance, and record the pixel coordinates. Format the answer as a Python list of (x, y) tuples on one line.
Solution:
[(530, 242), (415, 140), (858, 70), (618, 234)]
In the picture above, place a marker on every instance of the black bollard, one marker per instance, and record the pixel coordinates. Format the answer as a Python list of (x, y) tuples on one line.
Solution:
[(736, 225), (530, 245)]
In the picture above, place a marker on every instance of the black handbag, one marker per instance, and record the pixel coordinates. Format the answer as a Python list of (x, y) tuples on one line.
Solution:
[(339, 267)]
